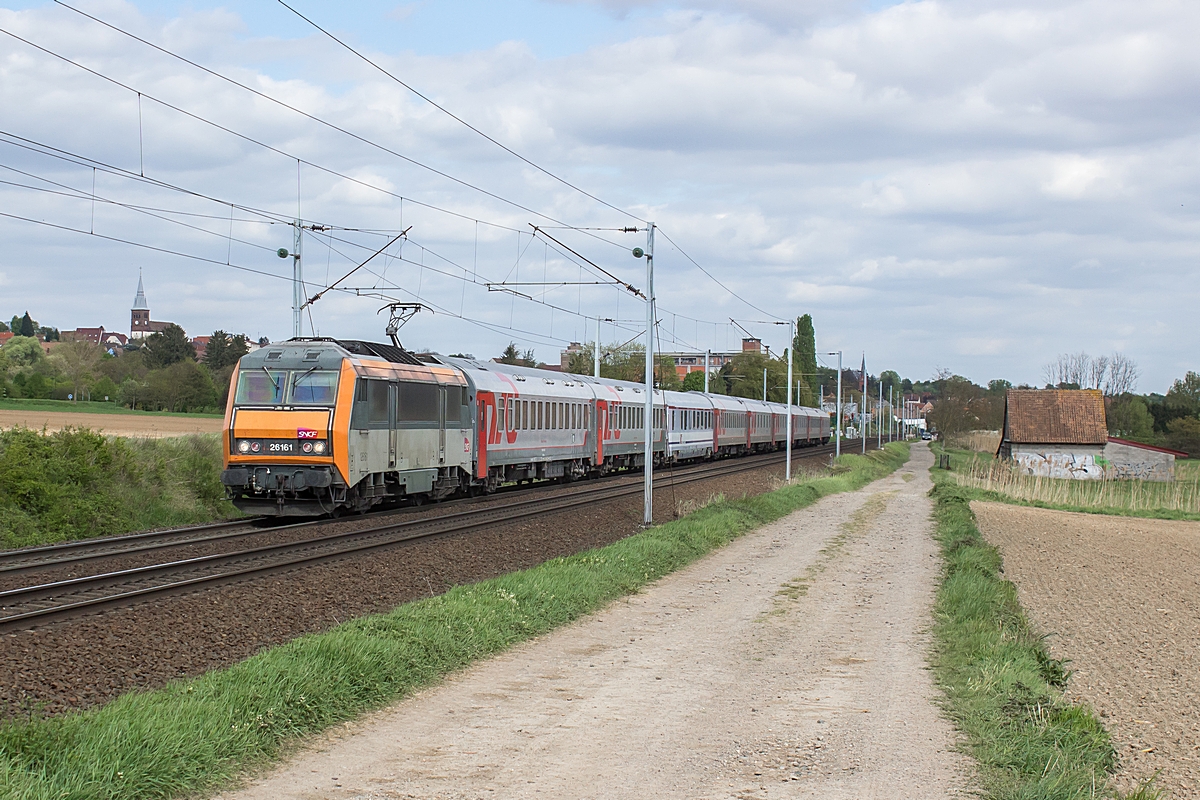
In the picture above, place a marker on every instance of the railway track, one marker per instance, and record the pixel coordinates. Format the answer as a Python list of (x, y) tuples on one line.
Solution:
[(37, 604)]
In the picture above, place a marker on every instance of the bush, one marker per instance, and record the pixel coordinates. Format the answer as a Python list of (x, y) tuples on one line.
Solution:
[(77, 484)]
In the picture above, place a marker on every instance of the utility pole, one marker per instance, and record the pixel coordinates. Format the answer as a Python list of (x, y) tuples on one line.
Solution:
[(879, 419), (787, 471), (707, 353), (838, 446), (298, 297), (596, 365), (764, 384), (648, 485)]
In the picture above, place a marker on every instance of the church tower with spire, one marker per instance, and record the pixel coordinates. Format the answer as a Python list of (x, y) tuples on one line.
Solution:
[(139, 316)]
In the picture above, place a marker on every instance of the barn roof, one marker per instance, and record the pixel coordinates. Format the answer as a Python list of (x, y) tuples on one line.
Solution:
[(1055, 416)]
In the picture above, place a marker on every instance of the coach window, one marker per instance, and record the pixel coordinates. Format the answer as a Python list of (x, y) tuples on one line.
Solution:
[(539, 414), (511, 421)]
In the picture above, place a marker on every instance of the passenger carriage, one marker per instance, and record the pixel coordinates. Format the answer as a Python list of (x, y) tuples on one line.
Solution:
[(690, 421)]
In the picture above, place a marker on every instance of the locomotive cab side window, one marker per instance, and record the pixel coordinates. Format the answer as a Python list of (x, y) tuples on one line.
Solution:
[(419, 403)]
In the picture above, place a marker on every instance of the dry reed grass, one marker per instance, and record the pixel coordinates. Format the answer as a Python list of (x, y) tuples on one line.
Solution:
[(1182, 496), (979, 441)]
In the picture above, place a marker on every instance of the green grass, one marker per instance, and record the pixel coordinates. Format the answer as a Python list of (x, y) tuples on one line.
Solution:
[(196, 735), (1002, 688), (78, 484), (981, 476), (84, 407)]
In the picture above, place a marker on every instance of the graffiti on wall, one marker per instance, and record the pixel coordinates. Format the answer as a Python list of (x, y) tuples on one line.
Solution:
[(1077, 466)]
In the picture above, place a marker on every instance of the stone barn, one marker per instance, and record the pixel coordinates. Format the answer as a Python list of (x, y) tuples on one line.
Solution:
[(1056, 433)]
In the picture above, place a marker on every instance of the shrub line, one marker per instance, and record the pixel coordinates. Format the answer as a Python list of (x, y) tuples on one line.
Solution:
[(197, 735)]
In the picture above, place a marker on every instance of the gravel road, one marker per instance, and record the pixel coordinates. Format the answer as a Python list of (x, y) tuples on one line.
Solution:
[(1120, 598), (789, 664)]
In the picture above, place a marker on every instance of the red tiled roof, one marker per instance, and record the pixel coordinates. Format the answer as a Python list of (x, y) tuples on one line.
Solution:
[(1055, 416)]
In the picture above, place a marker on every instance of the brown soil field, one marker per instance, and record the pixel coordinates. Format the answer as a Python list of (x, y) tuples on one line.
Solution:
[(1120, 600), (114, 424)]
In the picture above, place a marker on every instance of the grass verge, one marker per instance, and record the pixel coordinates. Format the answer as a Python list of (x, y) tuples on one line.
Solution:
[(986, 479), (76, 484), (1002, 688), (195, 735)]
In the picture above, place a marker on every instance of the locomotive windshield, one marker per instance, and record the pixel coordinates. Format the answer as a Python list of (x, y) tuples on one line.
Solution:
[(263, 387), (260, 387), (315, 387)]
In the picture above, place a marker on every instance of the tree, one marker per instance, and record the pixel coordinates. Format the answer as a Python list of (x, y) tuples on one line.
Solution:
[(1129, 418), (694, 381), (1184, 434), (512, 355), (805, 364), (224, 350), (28, 326), (78, 361), (1184, 394), (958, 406), (4, 328), (745, 377), (168, 347), (21, 353), (47, 334), (182, 386), (1114, 375)]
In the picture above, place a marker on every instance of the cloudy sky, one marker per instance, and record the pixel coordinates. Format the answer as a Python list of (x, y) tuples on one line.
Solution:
[(963, 185)]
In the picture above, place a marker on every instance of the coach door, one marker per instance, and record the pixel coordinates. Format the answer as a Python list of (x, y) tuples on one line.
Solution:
[(393, 434)]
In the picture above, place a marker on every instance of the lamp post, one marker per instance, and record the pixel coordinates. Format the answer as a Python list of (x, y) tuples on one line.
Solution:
[(596, 355), (838, 446), (787, 470), (647, 423)]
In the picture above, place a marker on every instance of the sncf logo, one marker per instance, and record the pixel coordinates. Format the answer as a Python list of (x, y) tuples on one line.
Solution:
[(305, 433)]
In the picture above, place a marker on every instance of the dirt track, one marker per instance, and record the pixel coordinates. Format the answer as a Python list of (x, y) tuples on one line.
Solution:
[(113, 424), (1120, 598), (788, 664)]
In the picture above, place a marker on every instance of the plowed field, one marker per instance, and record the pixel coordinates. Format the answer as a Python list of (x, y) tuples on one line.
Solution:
[(150, 425), (1120, 599)]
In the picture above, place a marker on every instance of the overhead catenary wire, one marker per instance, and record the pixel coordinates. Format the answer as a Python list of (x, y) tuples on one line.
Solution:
[(319, 120), (275, 217), (455, 117)]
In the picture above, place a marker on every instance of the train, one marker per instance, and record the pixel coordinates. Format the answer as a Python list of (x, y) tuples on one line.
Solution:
[(321, 426)]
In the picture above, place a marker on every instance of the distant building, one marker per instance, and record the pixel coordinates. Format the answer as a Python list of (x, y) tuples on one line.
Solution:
[(5, 336), (140, 324), (686, 362), (97, 336), (200, 343)]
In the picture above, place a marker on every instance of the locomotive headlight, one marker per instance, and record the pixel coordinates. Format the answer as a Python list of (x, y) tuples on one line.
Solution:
[(243, 446), (307, 447), (318, 447), (254, 447)]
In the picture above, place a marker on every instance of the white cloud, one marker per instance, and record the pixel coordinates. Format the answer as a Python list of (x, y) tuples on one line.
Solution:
[(957, 171)]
